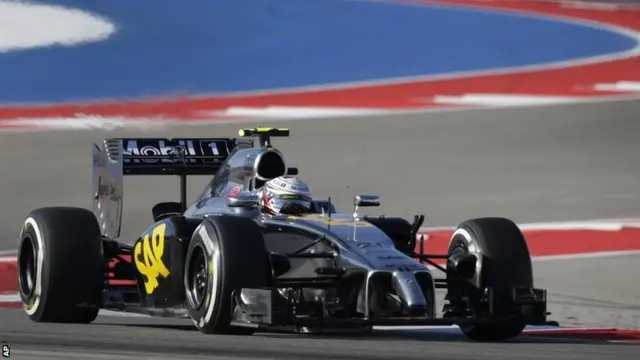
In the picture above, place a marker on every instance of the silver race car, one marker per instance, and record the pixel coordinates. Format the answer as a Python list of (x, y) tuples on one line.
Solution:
[(230, 268)]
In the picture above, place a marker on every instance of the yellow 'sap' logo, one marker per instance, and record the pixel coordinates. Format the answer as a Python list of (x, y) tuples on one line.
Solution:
[(150, 263)]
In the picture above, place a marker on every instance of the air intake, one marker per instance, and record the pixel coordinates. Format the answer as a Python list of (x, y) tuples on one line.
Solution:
[(269, 165)]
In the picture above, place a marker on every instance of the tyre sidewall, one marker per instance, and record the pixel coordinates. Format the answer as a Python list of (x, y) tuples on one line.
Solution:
[(207, 239), (35, 302)]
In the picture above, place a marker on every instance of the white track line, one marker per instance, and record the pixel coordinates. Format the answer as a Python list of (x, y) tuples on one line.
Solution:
[(298, 111), (504, 99), (109, 123), (9, 298), (94, 122), (622, 86), (87, 122)]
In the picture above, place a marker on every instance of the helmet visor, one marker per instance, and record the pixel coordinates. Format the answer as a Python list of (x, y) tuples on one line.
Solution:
[(290, 203)]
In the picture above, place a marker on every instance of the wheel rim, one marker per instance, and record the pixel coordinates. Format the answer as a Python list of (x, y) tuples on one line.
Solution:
[(197, 278), (27, 268), (458, 245)]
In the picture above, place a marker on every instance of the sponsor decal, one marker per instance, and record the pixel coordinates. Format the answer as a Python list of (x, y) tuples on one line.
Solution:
[(234, 192), (165, 151), (147, 255)]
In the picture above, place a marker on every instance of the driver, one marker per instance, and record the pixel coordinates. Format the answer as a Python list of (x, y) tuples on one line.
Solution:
[(285, 195)]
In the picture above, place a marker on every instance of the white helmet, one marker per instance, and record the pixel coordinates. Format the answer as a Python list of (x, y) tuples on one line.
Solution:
[(285, 194)]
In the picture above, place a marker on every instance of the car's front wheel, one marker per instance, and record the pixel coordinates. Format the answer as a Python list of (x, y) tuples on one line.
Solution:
[(226, 253), (504, 263)]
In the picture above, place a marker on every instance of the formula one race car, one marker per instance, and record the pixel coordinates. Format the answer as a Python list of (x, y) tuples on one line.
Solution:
[(231, 269)]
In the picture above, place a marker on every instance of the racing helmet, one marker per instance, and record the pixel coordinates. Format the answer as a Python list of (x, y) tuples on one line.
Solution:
[(285, 195)]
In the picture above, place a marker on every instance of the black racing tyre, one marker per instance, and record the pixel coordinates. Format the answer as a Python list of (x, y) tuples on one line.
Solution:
[(225, 253), (505, 263), (60, 265)]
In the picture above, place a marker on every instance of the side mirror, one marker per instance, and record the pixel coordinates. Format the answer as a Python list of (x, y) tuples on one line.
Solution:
[(242, 201), (366, 200)]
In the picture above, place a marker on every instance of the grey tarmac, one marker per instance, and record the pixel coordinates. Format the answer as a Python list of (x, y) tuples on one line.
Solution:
[(140, 338), (566, 162)]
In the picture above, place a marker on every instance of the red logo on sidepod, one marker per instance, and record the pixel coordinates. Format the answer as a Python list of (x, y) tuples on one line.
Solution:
[(234, 192)]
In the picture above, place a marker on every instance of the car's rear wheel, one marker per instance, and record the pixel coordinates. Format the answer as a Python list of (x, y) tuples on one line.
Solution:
[(226, 253), (60, 265), (504, 263)]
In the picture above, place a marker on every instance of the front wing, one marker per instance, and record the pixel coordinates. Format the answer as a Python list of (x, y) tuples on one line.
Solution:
[(259, 308)]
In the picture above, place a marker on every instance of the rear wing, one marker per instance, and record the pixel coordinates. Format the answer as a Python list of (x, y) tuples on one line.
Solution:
[(171, 156), (115, 158)]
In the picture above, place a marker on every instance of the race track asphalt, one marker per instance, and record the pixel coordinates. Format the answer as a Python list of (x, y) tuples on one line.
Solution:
[(564, 162), (148, 338)]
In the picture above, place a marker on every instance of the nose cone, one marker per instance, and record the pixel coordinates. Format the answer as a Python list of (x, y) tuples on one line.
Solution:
[(410, 291)]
